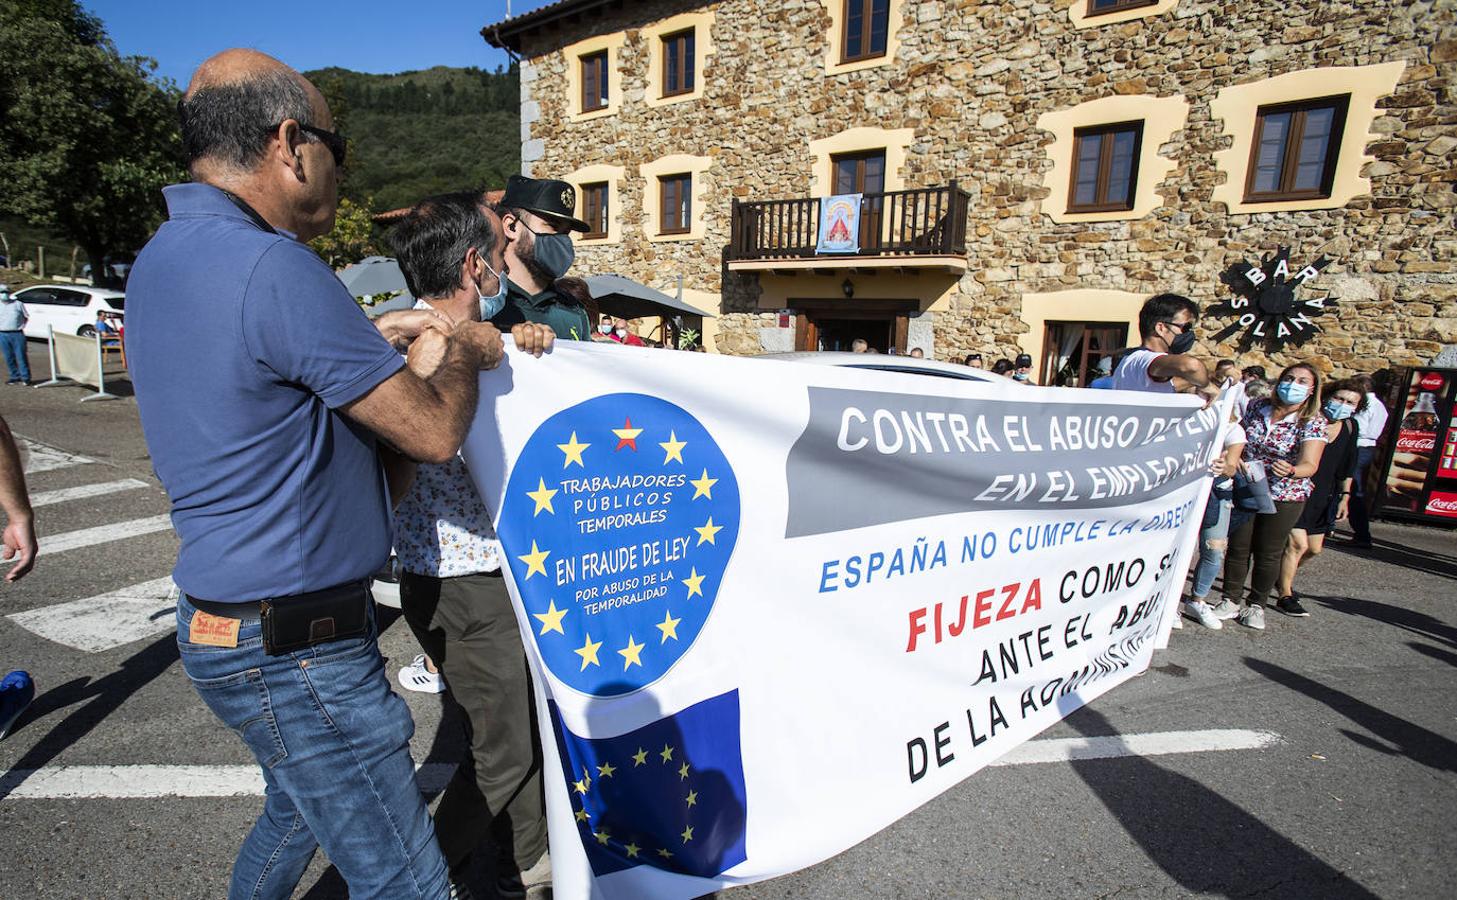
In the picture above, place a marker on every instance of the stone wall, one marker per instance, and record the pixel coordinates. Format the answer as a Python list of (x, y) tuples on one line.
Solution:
[(972, 78)]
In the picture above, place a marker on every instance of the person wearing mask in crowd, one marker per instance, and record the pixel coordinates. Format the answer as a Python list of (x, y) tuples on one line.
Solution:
[(1286, 434), (1330, 491), (1002, 367), (974, 360), (1214, 534), (623, 335), (12, 336), (604, 330), (860, 345), (1022, 369), (536, 215), (1162, 364), (1252, 373), (1370, 418), (450, 249), (266, 399)]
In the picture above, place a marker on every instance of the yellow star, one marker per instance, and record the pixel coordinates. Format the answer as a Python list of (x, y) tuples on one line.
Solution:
[(639, 758), (582, 815), (631, 654), (588, 652), (536, 560), (573, 450), (586, 777), (667, 753), (703, 486), (669, 627), (627, 435), (673, 447), (631, 850), (579, 786), (665, 853), (692, 798), (601, 836), (682, 771), (605, 770), (687, 834), (707, 532), (551, 620), (694, 583), (542, 495)]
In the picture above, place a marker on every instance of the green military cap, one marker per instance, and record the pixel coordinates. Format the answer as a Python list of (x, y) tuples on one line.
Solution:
[(545, 197)]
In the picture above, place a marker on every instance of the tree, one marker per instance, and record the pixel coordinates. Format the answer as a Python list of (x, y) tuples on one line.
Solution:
[(352, 238), (90, 137)]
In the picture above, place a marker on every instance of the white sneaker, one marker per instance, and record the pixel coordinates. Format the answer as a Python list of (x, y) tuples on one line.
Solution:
[(1178, 624), (1253, 617), (1226, 609), (1200, 612), (415, 677)]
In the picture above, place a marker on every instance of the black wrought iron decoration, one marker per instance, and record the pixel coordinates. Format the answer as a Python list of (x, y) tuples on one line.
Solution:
[(1264, 303)]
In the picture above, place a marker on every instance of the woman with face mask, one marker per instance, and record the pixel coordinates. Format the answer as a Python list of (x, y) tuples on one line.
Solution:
[(1331, 490), (1285, 433)]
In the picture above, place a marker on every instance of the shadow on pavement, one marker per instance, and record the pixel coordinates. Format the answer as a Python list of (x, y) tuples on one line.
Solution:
[(1407, 619), (1427, 561), (1435, 653), (106, 695), (1405, 738), (1207, 844)]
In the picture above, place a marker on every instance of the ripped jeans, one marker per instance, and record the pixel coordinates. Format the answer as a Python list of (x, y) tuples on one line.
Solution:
[(1213, 540)]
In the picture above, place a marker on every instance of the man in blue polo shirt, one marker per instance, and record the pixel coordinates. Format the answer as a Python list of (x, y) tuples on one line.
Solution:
[(263, 390)]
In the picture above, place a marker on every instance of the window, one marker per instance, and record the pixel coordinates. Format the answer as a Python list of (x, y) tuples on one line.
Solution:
[(860, 173), (1105, 167), (1071, 351), (867, 23), (1294, 153), (594, 209), (594, 81), (677, 204), (678, 50), (1103, 7)]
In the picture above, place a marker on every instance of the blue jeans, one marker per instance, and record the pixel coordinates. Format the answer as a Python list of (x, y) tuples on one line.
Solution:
[(334, 744), (12, 343), (1211, 559)]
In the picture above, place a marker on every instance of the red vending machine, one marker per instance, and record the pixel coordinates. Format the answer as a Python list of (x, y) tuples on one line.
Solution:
[(1420, 480)]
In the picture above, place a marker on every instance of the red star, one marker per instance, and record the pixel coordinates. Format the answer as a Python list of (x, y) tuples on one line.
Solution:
[(627, 436)]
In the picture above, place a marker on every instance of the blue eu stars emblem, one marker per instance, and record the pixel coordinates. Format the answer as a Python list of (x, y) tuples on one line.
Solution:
[(618, 524)]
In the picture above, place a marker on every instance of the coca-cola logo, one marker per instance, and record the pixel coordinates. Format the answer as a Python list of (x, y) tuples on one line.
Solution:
[(1432, 381), (1420, 442), (1442, 504)]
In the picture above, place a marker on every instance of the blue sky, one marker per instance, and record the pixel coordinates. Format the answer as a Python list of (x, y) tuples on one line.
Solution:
[(364, 35)]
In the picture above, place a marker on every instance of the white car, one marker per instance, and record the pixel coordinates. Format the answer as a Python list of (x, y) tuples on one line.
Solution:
[(69, 308)]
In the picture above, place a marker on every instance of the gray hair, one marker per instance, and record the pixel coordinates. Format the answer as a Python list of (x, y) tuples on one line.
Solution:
[(229, 123)]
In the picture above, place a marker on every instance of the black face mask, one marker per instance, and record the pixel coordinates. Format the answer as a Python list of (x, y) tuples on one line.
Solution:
[(1183, 343)]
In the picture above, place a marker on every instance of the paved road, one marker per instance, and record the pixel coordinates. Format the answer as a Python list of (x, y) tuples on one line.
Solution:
[(1356, 798)]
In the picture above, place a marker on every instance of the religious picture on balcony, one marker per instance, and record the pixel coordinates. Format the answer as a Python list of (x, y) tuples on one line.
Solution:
[(839, 224)]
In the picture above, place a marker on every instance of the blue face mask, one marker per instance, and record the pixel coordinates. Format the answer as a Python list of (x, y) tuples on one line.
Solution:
[(1292, 392), (1335, 410), (491, 306)]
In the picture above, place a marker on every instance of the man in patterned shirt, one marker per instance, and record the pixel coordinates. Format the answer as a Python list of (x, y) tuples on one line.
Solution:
[(450, 249)]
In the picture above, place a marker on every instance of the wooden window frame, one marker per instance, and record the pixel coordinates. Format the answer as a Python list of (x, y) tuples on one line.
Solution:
[(1341, 103), (599, 190), (1105, 168), (592, 100), (867, 8), (686, 225), (685, 58), (1118, 7)]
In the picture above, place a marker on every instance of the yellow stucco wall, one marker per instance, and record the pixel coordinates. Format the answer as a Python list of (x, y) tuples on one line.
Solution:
[(677, 164), (652, 35), (613, 175), (1077, 306), (1078, 12), (612, 43), (836, 36)]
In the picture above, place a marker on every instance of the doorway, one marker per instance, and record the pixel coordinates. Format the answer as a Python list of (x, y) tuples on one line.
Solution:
[(1071, 351), (835, 324)]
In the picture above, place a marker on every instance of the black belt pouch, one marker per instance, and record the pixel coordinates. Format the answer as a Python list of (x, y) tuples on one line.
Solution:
[(303, 620)]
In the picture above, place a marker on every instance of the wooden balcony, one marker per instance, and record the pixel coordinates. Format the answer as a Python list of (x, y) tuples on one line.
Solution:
[(922, 228)]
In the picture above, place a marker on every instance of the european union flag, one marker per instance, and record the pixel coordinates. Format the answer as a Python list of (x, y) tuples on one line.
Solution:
[(670, 794)]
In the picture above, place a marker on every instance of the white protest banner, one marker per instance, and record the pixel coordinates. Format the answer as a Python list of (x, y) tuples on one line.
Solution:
[(773, 607)]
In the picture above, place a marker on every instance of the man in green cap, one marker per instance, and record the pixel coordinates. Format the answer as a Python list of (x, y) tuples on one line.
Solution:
[(537, 218)]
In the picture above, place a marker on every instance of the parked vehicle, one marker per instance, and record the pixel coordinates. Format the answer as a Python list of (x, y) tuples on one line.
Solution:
[(68, 308)]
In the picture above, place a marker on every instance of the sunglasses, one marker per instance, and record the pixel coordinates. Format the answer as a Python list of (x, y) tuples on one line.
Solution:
[(1183, 328), (335, 142)]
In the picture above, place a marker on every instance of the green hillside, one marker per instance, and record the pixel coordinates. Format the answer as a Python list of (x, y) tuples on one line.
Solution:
[(418, 133)]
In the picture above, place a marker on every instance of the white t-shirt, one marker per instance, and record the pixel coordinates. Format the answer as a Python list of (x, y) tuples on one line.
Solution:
[(1371, 422), (1132, 373)]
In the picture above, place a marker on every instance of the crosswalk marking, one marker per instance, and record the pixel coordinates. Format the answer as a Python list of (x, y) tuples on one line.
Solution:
[(102, 534), (43, 458), (133, 782), (46, 498), (106, 620)]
